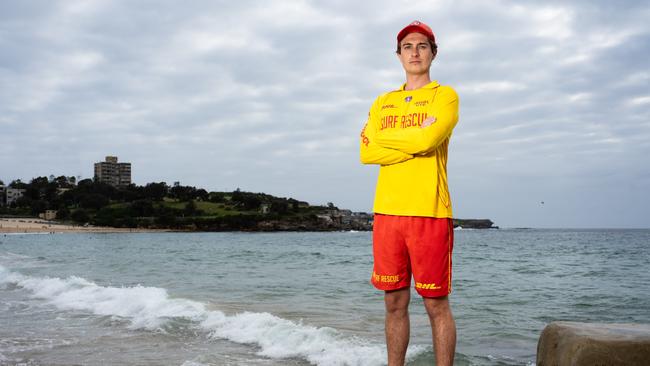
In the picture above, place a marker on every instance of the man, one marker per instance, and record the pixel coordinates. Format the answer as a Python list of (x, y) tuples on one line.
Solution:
[(407, 134)]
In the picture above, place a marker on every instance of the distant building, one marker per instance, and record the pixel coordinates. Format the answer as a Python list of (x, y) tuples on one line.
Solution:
[(48, 215), (61, 191), (112, 172), (13, 194)]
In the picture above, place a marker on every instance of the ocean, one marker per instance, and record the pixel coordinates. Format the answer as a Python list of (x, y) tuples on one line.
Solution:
[(193, 299)]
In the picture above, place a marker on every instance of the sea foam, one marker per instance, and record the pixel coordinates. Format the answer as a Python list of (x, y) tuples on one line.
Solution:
[(151, 307)]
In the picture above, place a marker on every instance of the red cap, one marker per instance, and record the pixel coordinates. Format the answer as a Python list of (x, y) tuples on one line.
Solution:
[(416, 27)]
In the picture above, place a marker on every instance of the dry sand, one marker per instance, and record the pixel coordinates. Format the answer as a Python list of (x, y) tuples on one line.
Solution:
[(27, 225)]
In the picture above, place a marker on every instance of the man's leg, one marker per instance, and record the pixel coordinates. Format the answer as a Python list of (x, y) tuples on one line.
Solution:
[(443, 329), (397, 324)]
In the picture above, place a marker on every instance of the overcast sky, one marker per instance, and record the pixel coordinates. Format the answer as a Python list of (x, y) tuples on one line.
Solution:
[(270, 97)]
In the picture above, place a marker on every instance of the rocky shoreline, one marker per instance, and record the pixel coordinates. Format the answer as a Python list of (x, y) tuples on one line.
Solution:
[(474, 224), (357, 221), (335, 220)]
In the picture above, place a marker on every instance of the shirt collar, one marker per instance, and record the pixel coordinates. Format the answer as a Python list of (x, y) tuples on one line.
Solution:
[(432, 85)]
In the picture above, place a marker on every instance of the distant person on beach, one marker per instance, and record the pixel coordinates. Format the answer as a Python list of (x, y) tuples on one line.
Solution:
[(407, 134)]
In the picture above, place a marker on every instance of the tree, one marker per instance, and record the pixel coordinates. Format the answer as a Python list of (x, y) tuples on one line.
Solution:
[(36, 188), (156, 191), (18, 184), (50, 192), (85, 183), (38, 206), (131, 193), (93, 201), (190, 208), (80, 215), (166, 218), (129, 222), (40, 181), (236, 195), (279, 206), (24, 201), (217, 197), (63, 181), (142, 208), (62, 213), (106, 217), (201, 194), (88, 186), (183, 193), (249, 201)]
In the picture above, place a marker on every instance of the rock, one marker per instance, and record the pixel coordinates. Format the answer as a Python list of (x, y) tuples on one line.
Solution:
[(475, 224), (594, 344)]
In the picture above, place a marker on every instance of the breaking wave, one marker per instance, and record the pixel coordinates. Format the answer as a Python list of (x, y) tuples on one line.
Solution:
[(150, 308)]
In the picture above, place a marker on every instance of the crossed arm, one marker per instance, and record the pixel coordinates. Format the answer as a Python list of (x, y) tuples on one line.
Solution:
[(398, 145), (373, 153)]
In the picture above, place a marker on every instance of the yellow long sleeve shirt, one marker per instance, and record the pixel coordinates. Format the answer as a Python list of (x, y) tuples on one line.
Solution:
[(413, 174)]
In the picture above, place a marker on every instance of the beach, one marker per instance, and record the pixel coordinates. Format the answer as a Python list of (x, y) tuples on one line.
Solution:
[(33, 225)]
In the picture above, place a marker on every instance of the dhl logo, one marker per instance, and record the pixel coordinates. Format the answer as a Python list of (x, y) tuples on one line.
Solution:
[(427, 286)]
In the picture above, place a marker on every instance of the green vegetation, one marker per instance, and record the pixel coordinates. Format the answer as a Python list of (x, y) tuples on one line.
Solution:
[(157, 205)]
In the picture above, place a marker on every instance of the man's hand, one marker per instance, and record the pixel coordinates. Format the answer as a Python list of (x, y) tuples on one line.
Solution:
[(428, 122)]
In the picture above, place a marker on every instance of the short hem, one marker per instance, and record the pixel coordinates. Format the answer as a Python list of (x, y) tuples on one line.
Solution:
[(391, 288), (433, 295), (428, 294)]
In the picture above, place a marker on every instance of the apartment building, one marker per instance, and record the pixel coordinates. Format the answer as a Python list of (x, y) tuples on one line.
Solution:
[(112, 172), (13, 194)]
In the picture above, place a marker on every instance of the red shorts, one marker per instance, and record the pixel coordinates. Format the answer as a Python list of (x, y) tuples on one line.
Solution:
[(405, 245)]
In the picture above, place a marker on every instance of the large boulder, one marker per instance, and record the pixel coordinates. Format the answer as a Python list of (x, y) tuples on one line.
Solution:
[(594, 344)]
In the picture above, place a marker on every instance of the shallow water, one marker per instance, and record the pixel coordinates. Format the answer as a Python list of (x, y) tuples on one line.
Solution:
[(298, 298)]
